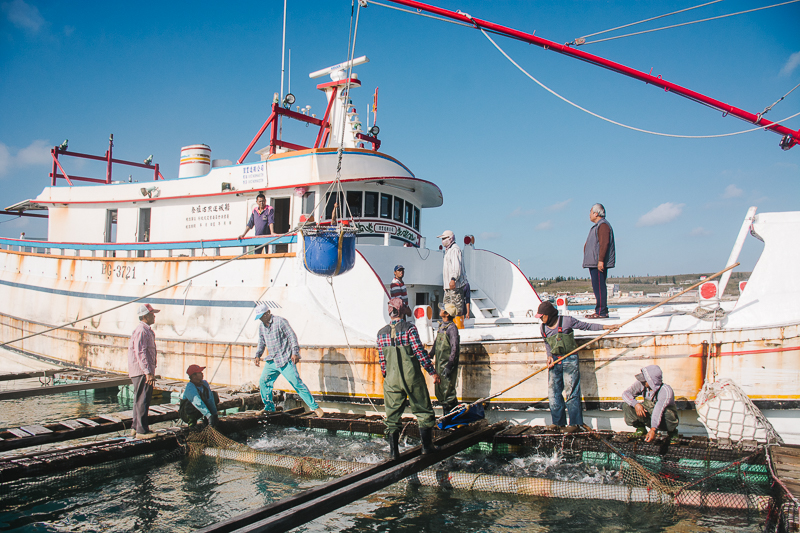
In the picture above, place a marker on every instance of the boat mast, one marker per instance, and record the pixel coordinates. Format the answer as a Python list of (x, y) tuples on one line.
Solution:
[(790, 137)]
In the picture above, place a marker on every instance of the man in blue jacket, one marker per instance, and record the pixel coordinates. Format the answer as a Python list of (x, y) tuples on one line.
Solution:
[(657, 410), (200, 399)]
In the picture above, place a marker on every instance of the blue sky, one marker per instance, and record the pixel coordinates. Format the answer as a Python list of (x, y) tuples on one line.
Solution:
[(519, 169)]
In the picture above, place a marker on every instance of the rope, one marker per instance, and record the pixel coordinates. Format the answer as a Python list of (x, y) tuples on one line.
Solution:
[(72, 323), (573, 104), (766, 109), (579, 39), (425, 14), (684, 23)]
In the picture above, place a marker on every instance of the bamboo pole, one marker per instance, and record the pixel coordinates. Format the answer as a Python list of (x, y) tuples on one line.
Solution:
[(592, 341)]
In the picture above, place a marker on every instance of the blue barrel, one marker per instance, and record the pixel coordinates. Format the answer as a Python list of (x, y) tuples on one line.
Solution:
[(329, 251)]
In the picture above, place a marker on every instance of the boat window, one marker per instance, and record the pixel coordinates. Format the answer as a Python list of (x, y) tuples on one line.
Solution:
[(416, 218), (398, 209), (309, 200), (354, 203), (407, 214), (332, 198), (371, 204), (386, 205), (143, 235)]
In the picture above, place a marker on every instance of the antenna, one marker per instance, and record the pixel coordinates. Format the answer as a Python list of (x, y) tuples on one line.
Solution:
[(283, 47), (289, 76), (341, 66)]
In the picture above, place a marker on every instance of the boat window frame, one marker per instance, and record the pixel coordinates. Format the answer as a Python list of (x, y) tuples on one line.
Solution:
[(309, 201), (390, 203), (397, 214), (329, 205), (408, 214), (416, 218), (377, 196), (355, 210)]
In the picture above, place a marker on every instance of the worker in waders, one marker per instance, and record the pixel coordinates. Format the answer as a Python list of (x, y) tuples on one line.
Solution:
[(401, 355), (446, 349)]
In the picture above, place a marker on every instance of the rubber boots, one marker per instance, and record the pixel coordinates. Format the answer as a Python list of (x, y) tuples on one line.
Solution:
[(394, 445), (426, 434)]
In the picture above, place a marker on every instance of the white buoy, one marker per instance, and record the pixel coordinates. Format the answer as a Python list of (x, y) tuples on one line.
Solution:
[(195, 161)]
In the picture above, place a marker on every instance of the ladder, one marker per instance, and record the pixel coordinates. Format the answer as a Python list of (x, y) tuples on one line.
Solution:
[(482, 305)]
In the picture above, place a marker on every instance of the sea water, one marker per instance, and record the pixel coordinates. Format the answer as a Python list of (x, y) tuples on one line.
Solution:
[(173, 493)]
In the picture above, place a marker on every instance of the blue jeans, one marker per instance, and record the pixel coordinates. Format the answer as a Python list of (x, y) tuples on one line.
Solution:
[(289, 371), (565, 377), (600, 290)]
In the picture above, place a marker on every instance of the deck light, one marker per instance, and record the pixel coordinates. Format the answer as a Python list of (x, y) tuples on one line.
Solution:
[(151, 192), (409, 189), (149, 160), (63, 146), (374, 131), (288, 100)]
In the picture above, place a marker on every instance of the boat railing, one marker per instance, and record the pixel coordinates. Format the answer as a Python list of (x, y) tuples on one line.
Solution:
[(213, 248)]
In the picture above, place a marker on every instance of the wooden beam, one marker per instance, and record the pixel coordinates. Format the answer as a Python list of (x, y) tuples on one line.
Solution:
[(33, 374), (58, 389)]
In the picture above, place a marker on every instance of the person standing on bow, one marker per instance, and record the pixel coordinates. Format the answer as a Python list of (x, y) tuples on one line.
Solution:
[(281, 358), (456, 286), (142, 362), (262, 219), (564, 378), (198, 400), (446, 349), (599, 254), (397, 289), (657, 410), (402, 355)]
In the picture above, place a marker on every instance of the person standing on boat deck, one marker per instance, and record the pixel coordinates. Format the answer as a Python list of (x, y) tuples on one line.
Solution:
[(657, 410), (456, 286), (564, 377), (397, 289), (599, 254), (142, 362), (198, 400), (446, 349), (283, 353), (262, 219), (401, 354)]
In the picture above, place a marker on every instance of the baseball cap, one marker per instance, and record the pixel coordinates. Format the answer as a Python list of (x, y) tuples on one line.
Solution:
[(448, 308), (261, 309), (546, 308), (145, 309), (399, 267), (194, 369), (447, 233)]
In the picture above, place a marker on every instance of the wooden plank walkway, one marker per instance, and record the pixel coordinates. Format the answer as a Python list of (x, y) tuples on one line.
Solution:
[(786, 464), (58, 389), (10, 376)]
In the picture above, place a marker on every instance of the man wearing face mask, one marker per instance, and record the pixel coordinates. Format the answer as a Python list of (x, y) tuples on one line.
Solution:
[(456, 286)]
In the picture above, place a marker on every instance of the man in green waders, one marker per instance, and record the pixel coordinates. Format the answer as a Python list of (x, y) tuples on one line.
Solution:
[(446, 349), (401, 354)]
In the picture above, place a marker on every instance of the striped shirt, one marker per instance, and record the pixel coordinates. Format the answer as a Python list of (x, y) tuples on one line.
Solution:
[(142, 351), (406, 335), (279, 340), (398, 290)]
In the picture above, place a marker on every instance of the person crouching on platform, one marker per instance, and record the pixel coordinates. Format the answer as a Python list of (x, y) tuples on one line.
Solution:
[(564, 377), (446, 349), (282, 355), (657, 410), (401, 354), (198, 400)]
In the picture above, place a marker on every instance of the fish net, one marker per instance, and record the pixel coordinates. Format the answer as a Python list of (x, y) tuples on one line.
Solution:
[(738, 483)]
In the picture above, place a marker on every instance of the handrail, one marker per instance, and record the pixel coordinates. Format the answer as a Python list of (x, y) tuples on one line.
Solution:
[(174, 245)]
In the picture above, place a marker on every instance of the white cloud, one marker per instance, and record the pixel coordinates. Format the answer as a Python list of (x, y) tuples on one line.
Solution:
[(699, 231), (23, 15), (35, 154), (732, 191), (560, 205), (546, 225), (69, 30), (666, 212), (490, 236), (791, 64)]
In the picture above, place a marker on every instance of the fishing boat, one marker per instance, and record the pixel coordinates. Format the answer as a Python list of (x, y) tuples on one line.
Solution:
[(174, 243)]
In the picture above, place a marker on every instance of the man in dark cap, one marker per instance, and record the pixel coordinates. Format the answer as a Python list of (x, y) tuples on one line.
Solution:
[(564, 377), (397, 289), (401, 355)]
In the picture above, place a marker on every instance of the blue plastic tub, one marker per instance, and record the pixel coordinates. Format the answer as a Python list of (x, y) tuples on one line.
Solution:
[(329, 252)]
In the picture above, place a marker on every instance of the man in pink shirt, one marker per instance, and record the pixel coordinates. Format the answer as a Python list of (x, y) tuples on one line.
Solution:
[(142, 370)]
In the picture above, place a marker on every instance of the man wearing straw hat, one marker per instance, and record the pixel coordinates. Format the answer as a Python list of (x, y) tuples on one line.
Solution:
[(282, 355), (401, 354), (142, 369)]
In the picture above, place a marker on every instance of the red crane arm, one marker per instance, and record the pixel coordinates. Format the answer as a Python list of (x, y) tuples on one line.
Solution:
[(790, 137)]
